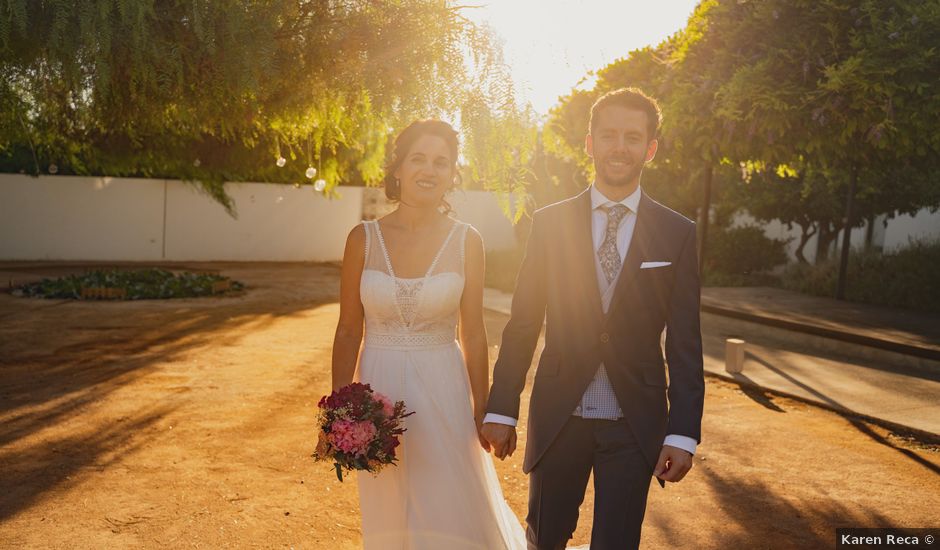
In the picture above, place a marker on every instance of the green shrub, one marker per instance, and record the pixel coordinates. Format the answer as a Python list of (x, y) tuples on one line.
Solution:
[(908, 278), (139, 284), (741, 256)]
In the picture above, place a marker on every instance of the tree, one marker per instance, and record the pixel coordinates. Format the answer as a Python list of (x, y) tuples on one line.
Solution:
[(817, 87), (817, 113), (216, 91)]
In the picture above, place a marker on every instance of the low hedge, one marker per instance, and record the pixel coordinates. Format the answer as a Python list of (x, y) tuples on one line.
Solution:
[(138, 284), (906, 278)]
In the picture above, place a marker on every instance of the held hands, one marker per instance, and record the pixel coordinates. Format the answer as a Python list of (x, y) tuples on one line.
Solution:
[(501, 438), (478, 418), (673, 464)]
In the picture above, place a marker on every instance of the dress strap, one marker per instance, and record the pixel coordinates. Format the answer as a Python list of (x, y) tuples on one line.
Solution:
[(381, 239), (440, 251)]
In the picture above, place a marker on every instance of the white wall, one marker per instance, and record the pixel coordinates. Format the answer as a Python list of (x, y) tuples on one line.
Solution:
[(275, 223), (902, 229), (897, 234), (481, 210), (79, 218), (114, 219)]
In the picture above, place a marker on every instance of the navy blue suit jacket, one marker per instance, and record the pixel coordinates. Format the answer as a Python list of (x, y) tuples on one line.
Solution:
[(557, 285)]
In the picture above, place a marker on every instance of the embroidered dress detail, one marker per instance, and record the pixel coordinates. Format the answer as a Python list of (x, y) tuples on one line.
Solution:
[(408, 290), (409, 341)]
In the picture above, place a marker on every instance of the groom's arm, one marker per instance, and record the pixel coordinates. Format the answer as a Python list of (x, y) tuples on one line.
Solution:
[(522, 331), (684, 360), (684, 351)]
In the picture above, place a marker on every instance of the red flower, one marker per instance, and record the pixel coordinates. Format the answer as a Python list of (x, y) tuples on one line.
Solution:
[(362, 437)]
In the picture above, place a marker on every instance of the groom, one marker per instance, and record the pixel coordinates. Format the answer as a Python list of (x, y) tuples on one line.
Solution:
[(610, 269)]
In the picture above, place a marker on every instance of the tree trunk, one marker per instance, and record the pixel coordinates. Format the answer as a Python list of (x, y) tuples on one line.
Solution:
[(822, 242), (808, 232), (870, 233), (847, 233)]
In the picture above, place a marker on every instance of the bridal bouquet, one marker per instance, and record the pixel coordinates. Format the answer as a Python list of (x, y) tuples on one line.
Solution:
[(359, 429)]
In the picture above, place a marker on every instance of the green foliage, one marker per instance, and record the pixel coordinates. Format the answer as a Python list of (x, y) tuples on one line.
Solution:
[(499, 147), (142, 284), (742, 255), (905, 278), (217, 91), (816, 86), (781, 100)]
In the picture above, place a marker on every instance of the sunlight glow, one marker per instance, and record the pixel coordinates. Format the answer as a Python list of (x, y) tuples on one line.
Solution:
[(552, 45)]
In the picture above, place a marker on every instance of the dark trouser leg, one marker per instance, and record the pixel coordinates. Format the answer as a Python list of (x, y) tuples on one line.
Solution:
[(621, 484), (557, 484)]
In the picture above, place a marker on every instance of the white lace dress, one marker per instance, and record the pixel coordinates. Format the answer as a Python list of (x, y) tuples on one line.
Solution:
[(444, 492)]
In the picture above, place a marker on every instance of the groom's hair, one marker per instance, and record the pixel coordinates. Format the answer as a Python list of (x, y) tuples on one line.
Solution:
[(631, 98)]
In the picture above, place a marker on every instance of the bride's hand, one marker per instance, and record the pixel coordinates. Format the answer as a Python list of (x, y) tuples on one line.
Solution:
[(478, 418)]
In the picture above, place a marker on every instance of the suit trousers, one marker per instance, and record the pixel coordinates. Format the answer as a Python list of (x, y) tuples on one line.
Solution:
[(557, 483)]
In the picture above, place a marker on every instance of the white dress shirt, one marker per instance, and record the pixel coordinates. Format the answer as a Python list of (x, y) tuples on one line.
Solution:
[(624, 237)]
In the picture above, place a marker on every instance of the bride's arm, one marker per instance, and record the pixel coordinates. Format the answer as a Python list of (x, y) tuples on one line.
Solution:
[(472, 327), (349, 328)]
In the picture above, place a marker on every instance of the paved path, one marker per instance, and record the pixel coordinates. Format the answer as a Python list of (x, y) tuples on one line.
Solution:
[(840, 375), (905, 331)]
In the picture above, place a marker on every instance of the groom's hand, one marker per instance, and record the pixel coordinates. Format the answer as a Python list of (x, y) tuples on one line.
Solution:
[(673, 464), (502, 438)]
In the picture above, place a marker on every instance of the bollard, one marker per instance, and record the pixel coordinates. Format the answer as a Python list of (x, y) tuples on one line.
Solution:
[(734, 355)]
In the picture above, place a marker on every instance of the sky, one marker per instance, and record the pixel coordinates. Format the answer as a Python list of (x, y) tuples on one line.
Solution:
[(551, 45)]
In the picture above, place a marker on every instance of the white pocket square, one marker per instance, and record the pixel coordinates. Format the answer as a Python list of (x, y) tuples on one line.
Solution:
[(651, 265)]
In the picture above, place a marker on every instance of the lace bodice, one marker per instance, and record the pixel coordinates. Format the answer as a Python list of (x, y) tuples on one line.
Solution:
[(407, 313)]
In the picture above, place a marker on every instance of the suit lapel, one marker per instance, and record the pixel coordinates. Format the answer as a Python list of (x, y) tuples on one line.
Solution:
[(638, 251), (584, 248)]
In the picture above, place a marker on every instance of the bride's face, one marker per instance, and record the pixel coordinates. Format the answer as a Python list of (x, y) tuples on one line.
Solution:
[(427, 172)]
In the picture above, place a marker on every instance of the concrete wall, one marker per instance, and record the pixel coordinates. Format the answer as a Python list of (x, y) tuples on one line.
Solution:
[(481, 210), (112, 219), (925, 225), (125, 219), (78, 218), (275, 223), (896, 234)]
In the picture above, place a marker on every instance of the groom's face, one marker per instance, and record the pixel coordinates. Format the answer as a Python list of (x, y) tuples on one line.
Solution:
[(619, 145)]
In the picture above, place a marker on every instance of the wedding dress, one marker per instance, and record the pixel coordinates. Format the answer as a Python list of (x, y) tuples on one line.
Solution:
[(443, 492)]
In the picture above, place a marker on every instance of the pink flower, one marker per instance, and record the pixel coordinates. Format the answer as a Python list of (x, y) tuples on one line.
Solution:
[(352, 437), (387, 407)]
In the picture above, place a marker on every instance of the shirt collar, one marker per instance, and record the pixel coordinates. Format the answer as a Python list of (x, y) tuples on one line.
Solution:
[(632, 201)]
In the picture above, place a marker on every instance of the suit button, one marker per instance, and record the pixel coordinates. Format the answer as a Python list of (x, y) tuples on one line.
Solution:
[(605, 337)]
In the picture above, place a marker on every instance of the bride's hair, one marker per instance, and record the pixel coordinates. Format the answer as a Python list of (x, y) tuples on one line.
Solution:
[(403, 142)]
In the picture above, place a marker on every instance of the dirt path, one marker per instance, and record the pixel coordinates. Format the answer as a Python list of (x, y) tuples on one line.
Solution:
[(188, 424)]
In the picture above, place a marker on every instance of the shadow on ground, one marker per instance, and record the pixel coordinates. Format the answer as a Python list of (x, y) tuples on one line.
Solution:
[(57, 358)]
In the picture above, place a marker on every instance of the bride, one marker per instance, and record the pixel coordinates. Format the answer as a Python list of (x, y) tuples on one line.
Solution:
[(409, 277)]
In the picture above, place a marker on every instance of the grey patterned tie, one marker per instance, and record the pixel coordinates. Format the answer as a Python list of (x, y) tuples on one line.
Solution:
[(608, 254)]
